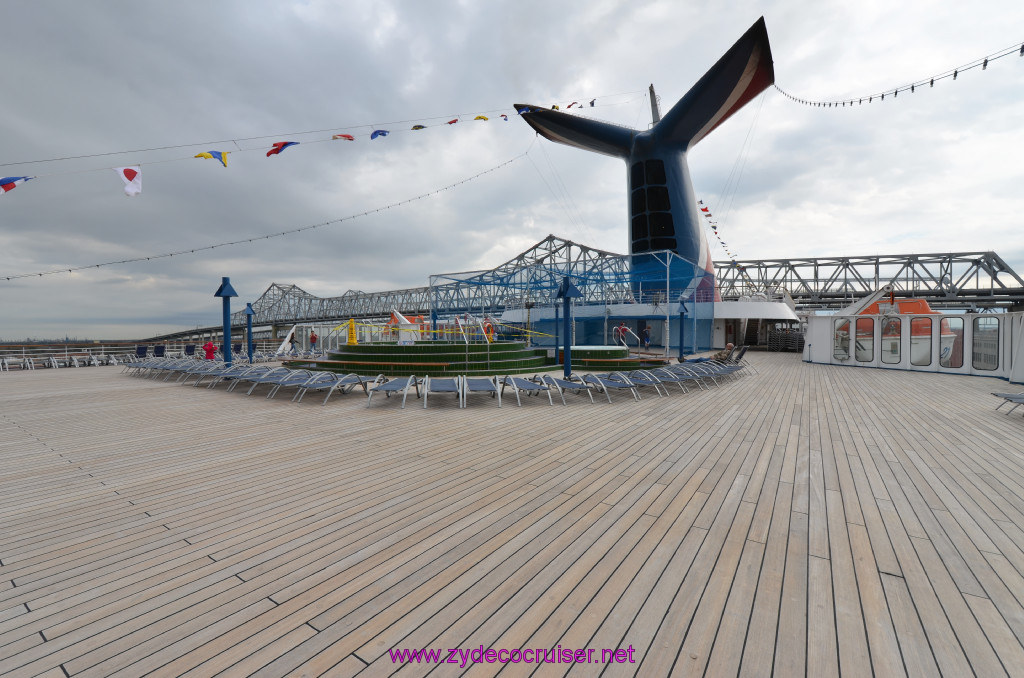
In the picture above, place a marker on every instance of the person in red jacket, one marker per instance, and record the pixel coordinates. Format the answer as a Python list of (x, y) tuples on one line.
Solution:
[(211, 350)]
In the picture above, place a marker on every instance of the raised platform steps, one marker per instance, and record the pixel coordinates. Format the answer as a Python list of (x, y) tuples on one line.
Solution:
[(449, 358)]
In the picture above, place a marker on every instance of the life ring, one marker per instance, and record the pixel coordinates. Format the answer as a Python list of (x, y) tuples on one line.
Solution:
[(489, 330)]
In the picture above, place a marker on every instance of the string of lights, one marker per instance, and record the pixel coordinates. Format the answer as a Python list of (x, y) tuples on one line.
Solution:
[(242, 241), (982, 63)]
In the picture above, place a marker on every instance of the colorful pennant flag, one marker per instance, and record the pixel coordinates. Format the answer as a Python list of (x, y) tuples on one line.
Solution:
[(132, 178), (7, 184), (555, 107), (571, 105), (452, 122), (592, 102), (215, 155), (504, 117), (278, 146), (379, 133), (481, 117), (346, 137), (419, 127)]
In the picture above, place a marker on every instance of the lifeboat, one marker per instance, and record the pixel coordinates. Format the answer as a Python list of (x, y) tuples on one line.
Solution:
[(891, 314)]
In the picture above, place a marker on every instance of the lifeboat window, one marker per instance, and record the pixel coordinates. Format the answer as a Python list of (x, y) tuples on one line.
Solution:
[(657, 199), (841, 340), (636, 175), (951, 342), (639, 202), (655, 172), (891, 340), (865, 347), (921, 342), (985, 340)]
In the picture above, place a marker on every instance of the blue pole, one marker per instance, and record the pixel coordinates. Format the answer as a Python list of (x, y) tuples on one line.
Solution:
[(249, 313), (567, 364), (225, 292), (227, 329)]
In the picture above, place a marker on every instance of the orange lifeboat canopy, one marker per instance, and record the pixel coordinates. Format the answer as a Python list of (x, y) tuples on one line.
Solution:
[(904, 307)]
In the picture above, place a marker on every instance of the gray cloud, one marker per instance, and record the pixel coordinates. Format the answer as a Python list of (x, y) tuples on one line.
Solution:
[(932, 171)]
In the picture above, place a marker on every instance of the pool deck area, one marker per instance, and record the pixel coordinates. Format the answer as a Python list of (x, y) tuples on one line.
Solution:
[(805, 520)]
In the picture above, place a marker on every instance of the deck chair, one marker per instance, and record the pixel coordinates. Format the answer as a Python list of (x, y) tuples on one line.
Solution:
[(520, 385), (396, 386), (141, 351), (642, 378), (265, 374), (190, 350), (222, 372), (294, 380), (442, 385), (667, 376), (331, 382), (158, 351), (1016, 398), (480, 385), (605, 383), (563, 385)]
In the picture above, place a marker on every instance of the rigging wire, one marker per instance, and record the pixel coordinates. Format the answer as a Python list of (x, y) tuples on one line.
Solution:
[(269, 236), (983, 63)]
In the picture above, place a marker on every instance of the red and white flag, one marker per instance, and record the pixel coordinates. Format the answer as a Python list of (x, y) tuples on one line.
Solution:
[(132, 178)]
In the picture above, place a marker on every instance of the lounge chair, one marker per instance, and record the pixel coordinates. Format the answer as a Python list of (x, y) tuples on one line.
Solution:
[(1016, 398), (264, 374), (606, 382), (332, 381), (480, 385), (442, 385), (667, 376), (642, 378), (396, 386), (563, 385), (224, 371), (518, 384)]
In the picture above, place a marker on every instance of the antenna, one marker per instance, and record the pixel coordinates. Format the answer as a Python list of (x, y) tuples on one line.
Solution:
[(655, 113)]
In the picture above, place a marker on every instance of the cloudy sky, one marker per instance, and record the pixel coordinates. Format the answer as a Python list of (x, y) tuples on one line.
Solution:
[(90, 84)]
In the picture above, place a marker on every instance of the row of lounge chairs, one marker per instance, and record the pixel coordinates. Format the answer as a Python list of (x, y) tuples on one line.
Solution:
[(190, 371), (699, 375), (210, 373)]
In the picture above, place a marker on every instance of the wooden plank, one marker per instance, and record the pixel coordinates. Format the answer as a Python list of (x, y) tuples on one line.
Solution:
[(673, 524)]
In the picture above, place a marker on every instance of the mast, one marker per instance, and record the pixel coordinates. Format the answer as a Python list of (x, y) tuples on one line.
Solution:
[(655, 113)]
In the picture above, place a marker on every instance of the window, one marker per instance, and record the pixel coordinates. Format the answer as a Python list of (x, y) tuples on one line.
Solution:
[(639, 202), (640, 227), (891, 330), (661, 224), (985, 353), (865, 340), (951, 342), (655, 172), (921, 342), (841, 340), (636, 175), (657, 199)]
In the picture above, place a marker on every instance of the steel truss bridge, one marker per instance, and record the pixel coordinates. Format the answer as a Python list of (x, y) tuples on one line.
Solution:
[(978, 281)]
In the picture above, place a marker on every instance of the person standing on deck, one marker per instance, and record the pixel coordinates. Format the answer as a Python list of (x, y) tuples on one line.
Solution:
[(312, 340), (210, 350)]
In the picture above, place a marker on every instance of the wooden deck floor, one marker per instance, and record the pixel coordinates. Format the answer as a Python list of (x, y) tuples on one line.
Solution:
[(808, 520)]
